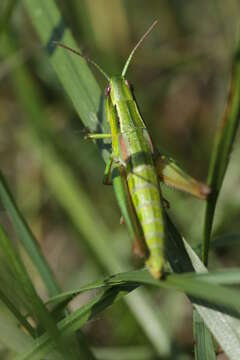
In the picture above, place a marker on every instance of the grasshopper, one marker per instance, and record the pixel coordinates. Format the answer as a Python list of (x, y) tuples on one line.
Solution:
[(136, 169)]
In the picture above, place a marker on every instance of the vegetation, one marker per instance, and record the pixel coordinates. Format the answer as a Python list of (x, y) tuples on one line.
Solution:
[(69, 285)]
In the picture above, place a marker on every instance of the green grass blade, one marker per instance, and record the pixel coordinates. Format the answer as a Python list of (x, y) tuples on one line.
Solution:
[(224, 277), (14, 310), (119, 285), (224, 328), (35, 307), (221, 277), (9, 256), (227, 277), (74, 321), (203, 347), (199, 289), (221, 151), (38, 310), (27, 238), (10, 333), (73, 72), (194, 285)]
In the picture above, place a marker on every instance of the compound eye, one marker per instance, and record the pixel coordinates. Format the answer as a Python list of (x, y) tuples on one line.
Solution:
[(108, 90)]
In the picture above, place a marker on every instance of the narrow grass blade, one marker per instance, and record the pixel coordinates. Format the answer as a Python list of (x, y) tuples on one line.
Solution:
[(39, 312), (25, 235), (220, 277), (75, 321), (199, 289), (221, 151), (11, 335), (224, 277), (120, 285), (203, 347), (225, 329), (73, 71), (184, 282), (17, 272)]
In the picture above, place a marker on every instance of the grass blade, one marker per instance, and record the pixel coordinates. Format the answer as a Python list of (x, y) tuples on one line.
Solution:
[(224, 328), (73, 71), (221, 150), (203, 347), (10, 333), (198, 285), (121, 284), (27, 238), (18, 274), (39, 312), (74, 321)]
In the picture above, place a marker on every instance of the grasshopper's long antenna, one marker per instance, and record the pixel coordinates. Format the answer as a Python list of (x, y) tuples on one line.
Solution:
[(83, 56), (136, 46)]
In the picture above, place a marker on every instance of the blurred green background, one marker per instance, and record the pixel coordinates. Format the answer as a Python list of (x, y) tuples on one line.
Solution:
[(180, 76)]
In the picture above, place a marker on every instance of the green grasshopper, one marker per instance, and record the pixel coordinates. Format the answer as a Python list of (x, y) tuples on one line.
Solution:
[(136, 169)]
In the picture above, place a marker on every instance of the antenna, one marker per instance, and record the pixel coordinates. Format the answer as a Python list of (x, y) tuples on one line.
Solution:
[(136, 46), (83, 56)]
